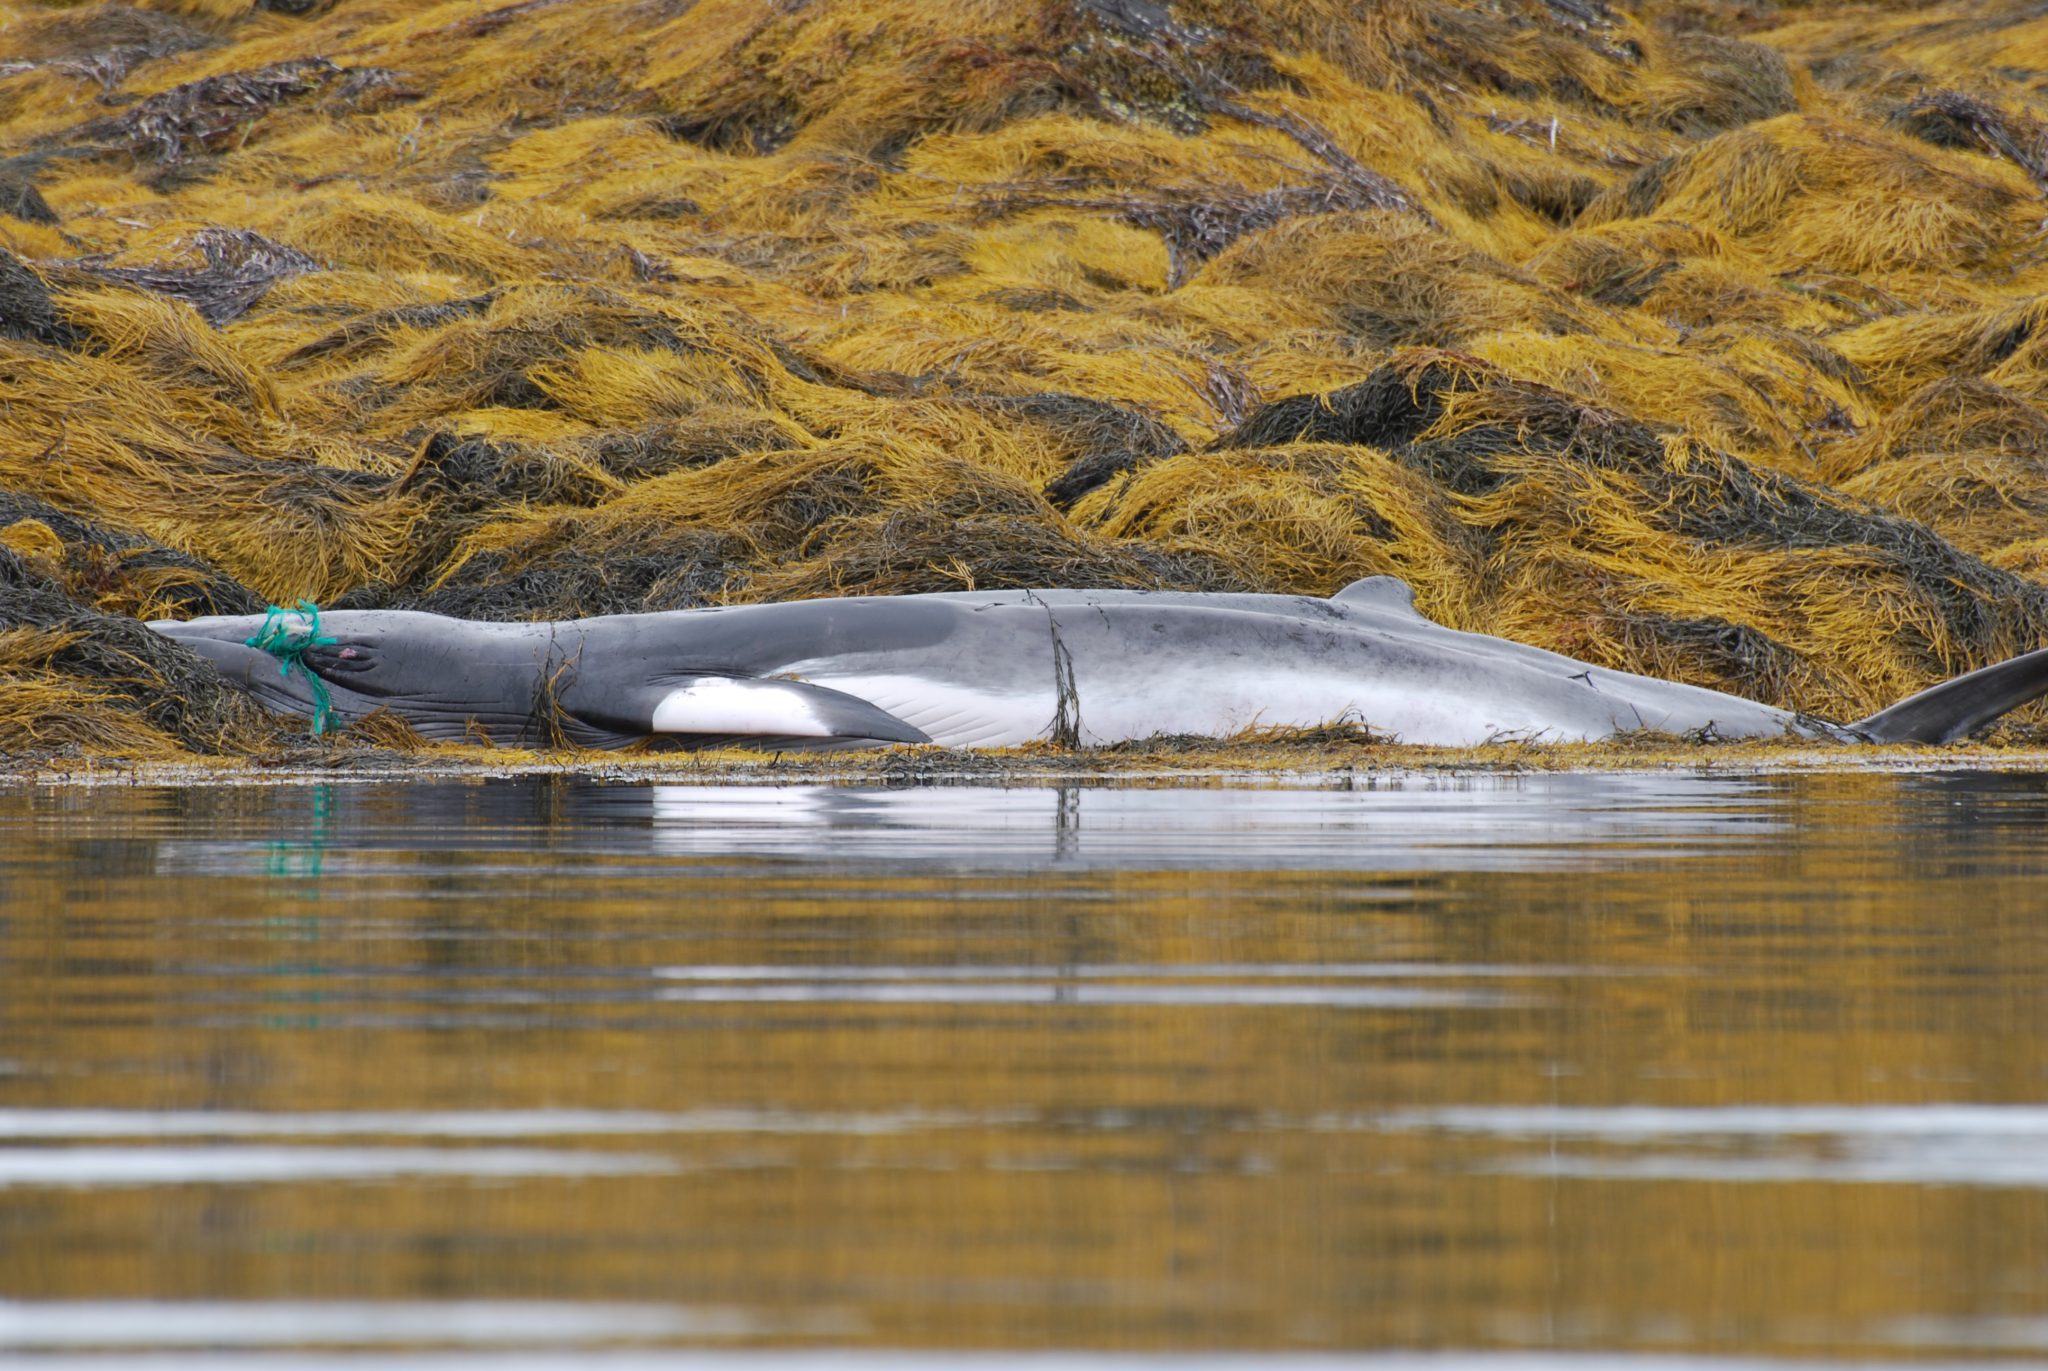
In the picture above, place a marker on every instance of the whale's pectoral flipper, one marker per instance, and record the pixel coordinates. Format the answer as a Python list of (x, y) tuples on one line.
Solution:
[(744, 707), (1955, 709), (1389, 593)]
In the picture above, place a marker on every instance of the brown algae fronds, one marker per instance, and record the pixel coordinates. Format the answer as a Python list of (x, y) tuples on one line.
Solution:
[(1711, 354)]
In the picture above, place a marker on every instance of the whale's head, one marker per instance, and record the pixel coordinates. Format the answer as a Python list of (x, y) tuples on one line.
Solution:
[(447, 677)]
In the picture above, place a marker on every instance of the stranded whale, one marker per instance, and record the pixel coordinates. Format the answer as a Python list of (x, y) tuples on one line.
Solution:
[(991, 669)]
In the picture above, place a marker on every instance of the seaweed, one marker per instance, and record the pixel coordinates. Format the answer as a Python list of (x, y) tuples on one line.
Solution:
[(18, 194), (470, 474), (1952, 119), (964, 545), (1196, 223), (1107, 439), (1389, 409), (117, 571), (459, 482), (1728, 651), (26, 310), (1708, 82), (1706, 343), (364, 333), (557, 578), (103, 43), (234, 269), (668, 445), (204, 115), (77, 678)]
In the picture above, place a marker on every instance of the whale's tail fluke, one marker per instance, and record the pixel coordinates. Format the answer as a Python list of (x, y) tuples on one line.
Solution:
[(1955, 709)]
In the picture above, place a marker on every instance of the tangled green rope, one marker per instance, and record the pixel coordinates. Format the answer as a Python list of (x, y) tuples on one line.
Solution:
[(288, 635)]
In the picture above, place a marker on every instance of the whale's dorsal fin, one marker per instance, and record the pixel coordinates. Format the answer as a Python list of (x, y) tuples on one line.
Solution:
[(743, 707), (1389, 593)]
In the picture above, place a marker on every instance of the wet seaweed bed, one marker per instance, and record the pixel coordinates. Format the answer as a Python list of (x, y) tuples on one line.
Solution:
[(1701, 340), (1310, 761)]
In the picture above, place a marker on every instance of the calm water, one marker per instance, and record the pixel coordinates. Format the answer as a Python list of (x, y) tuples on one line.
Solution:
[(1704, 1066)]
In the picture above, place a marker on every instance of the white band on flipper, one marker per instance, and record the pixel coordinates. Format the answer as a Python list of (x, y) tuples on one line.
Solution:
[(724, 705)]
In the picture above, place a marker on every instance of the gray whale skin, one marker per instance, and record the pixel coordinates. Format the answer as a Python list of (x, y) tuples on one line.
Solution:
[(999, 668)]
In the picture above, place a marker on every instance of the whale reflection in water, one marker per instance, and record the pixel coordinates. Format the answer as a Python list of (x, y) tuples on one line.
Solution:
[(1480, 822)]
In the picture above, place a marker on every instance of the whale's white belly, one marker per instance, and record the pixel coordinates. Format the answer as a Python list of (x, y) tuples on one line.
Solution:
[(1207, 704), (950, 714), (1222, 703)]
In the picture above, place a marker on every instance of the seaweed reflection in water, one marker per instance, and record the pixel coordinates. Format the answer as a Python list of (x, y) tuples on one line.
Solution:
[(1706, 1065)]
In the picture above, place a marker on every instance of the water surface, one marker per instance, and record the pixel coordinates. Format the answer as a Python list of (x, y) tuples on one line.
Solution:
[(1552, 1065)]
